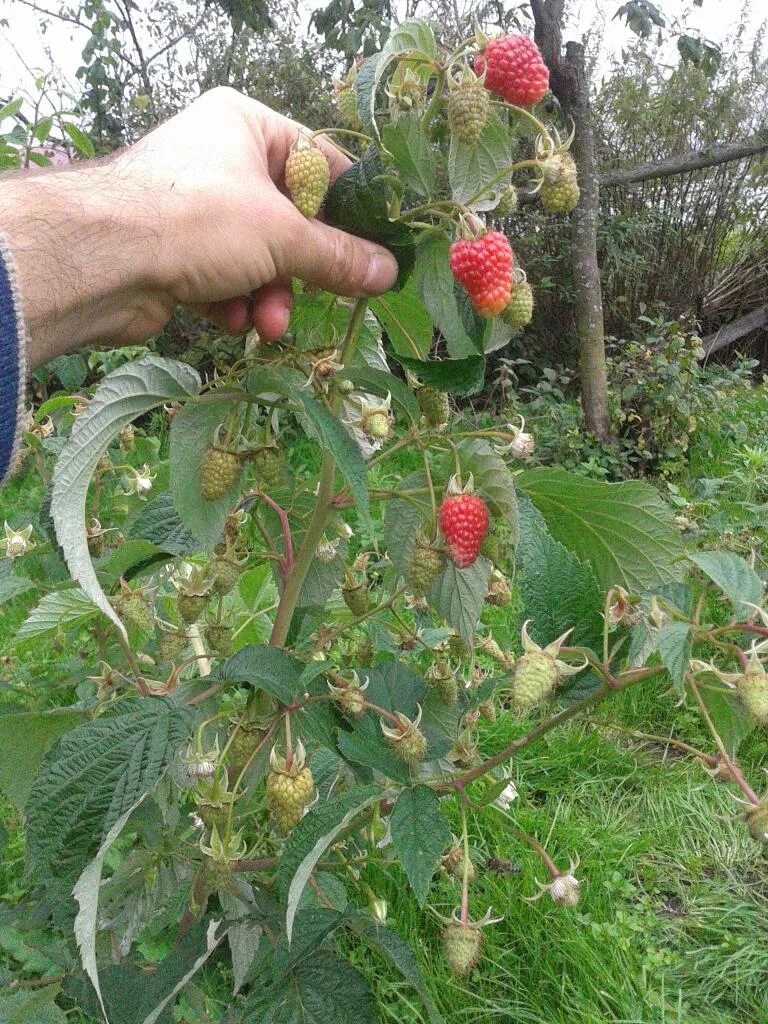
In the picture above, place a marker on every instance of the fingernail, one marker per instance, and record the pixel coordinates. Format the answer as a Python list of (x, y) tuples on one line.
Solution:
[(381, 274)]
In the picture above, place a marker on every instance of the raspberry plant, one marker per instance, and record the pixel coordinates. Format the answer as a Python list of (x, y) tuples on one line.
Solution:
[(291, 662)]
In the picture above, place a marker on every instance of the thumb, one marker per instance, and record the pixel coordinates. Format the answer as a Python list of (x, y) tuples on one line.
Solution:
[(335, 260)]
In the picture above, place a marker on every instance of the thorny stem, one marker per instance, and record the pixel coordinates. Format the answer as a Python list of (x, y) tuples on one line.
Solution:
[(341, 131), (738, 778), (540, 127), (287, 563), (130, 657), (465, 866), (606, 629), (288, 741), (667, 741), (498, 177), (534, 844)]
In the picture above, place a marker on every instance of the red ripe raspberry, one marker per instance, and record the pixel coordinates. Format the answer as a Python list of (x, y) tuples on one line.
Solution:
[(484, 266), (464, 521), (514, 70)]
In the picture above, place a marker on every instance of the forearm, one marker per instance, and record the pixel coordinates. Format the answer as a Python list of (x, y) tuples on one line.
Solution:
[(84, 248)]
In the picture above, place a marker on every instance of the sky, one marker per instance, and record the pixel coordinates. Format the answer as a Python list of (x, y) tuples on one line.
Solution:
[(24, 46)]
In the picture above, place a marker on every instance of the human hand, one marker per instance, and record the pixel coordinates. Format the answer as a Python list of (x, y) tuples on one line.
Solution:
[(193, 213)]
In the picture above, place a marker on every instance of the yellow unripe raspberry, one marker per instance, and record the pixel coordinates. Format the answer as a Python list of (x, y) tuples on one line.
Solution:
[(306, 177)]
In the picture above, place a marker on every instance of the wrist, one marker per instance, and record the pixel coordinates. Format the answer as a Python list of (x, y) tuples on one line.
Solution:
[(85, 255)]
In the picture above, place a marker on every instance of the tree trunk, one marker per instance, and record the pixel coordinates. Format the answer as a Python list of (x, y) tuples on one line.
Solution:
[(569, 82)]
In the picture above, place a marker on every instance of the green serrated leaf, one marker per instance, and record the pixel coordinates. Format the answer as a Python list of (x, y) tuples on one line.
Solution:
[(493, 480), (441, 295), (322, 990), (364, 744), (267, 668), (357, 203), (624, 530), (459, 595), (401, 522), (124, 394), (25, 737), (415, 158), (734, 576), (389, 944), (26, 1007), (458, 376), (60, 608), (193, 429), (673, 642), (559, 592), (406, 321), (377, 382), (79, 139), (420, 835), (728, 714), (92, 775), (333, 437), (158, 522), (313, 835), (11, 109), (470, 167), (11, 586)]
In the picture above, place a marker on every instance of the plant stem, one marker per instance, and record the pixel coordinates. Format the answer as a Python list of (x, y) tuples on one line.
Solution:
[(738, 778), (323, 509), (466, 863)]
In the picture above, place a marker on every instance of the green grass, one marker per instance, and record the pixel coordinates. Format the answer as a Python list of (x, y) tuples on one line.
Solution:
[(672, 927)]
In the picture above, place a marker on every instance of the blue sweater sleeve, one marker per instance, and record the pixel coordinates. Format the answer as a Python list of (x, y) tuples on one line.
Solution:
[(12, 363)]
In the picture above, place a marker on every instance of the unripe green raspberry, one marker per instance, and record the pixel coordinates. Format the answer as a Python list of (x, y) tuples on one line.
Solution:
[(364, 651), (519, 310), (135, 612), (224, 575), (461, 944), (757, 823), (426, 565), (443, 682), (242, 745), (491, 547), (560, 197), (356, 598), (499, 593), (219, 470), (218, 639), (407, 742), (306, 177), (536, 675), (508, 203), (487, 710), (347, 102), (213, 816), (288, 795), (378, 426), (351, 699), (753, 690), (191, 606), (269, 466), (171, 644), (434, 405), (468, 107), (457, 647)]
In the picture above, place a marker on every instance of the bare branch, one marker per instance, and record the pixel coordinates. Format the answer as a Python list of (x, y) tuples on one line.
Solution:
[(694, 160), (733, 332)]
